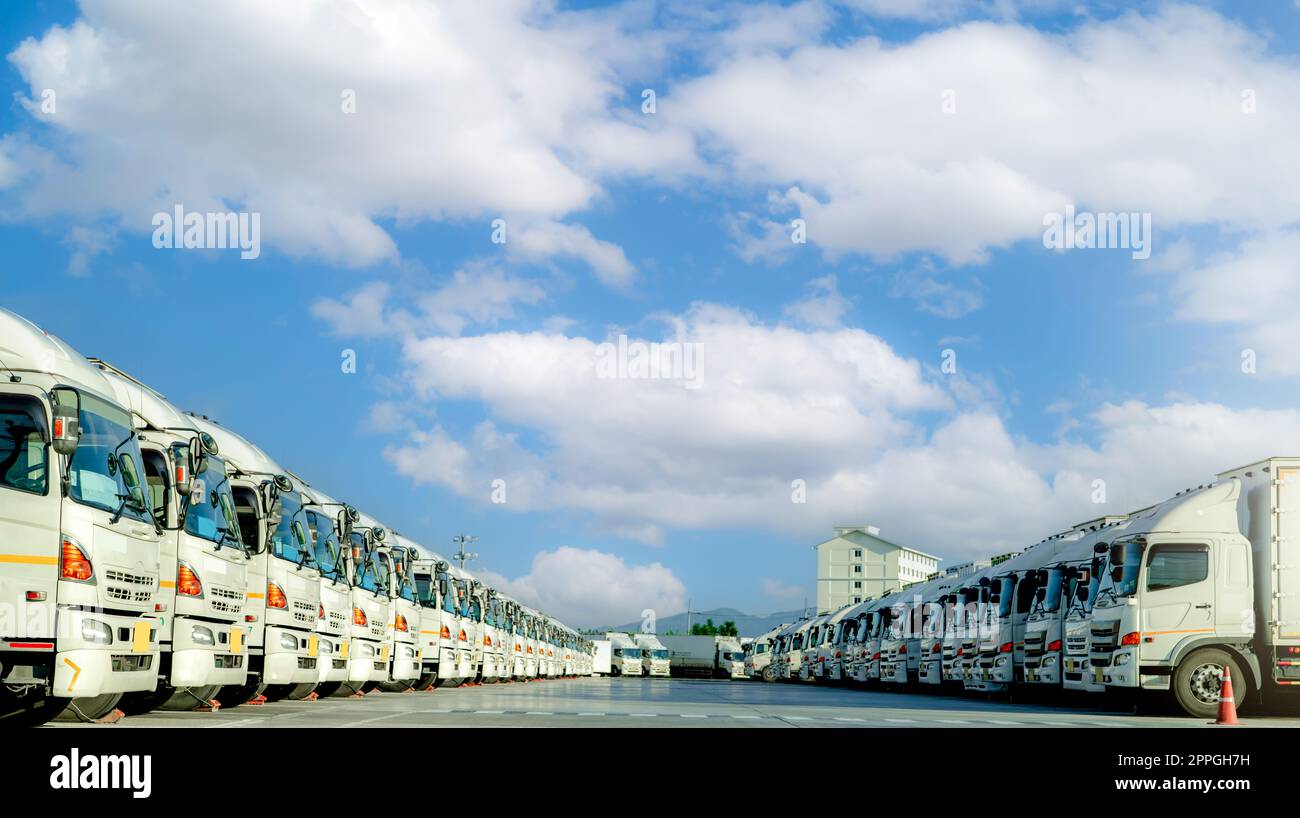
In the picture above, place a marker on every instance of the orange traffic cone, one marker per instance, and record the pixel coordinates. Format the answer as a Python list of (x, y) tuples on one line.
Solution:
[(1227, 707)]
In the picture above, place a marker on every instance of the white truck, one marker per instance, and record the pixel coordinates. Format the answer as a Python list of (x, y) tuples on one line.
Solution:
[(758, 656), (912, 615), (626, 656), (402, 636), (1058, 585), (329, 524), (654, 656), (433, 590), (368, 566), (1205, 581), (730, 661), (79, 547), (283, 577), (203, 597)]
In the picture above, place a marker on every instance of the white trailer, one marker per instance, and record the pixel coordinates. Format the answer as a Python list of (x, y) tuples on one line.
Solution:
[(601, 658)]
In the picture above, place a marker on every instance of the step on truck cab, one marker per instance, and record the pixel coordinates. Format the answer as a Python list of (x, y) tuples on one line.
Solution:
[(369, 568), (654, 656), (402, 636), (205, 558), (283, 576), (433, 590), (79, 546), (1204, 582), (329, 526), (1058, 584), (758, 656)]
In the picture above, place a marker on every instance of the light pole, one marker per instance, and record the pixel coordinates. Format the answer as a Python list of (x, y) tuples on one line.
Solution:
[(462, 555)]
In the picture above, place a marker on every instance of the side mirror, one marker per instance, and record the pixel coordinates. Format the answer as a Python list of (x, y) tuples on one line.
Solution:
[(1082, 593), (347, 516), (1117, 573), (272, 503), (67, 421), (1100, 548), (1040, 594)]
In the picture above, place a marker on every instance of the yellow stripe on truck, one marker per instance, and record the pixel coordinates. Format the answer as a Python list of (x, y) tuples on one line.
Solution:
[(26, 559)]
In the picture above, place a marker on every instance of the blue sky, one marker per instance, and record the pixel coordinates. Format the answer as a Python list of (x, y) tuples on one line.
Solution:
[(822, 360)]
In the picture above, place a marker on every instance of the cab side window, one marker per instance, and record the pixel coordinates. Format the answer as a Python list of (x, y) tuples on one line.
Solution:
[(1172, 566), (23, 453)]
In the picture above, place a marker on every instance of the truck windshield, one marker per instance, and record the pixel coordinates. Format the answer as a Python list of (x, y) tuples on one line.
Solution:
[(1055, 587), (105, 469), (631, 653), (656, 653), (1006, 589), (405, 589), (325, 537), (290, 540), (1127, 556), (370, 572), (213, 517), (426, 591)]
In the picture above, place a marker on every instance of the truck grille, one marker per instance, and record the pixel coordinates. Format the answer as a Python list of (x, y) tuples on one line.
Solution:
[(225, 600), (306, 663), (339, 664), (228, 662), (125, 586), (303, 612), (1104, 639), (1034, 644), (1076, 645)]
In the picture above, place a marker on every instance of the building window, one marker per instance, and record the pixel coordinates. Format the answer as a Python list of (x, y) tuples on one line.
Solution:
[(857, 554), (857, 599), (857, 584), (857, 569)]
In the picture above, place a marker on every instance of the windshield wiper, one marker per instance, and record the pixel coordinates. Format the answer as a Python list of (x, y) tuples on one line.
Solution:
[(128, 501), (224, 535)]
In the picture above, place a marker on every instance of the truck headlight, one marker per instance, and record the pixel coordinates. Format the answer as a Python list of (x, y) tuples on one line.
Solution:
[(1049, 660), (1001, 661), (202, 636), (1122, 659), (92, 630), (326, 646), (288, 641)]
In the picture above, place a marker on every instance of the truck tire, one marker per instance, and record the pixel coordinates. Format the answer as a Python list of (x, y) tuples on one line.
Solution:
[(425, 681), (29, 710), (769, 674), (302, 691), (229, 696), (1196, 682), (145, 701), (90, 709), (276, 693), (326, 689)]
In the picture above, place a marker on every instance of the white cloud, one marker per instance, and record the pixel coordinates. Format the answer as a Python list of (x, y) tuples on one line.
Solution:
[(475, 295), (590, 588), (1256, 290), (839, 410), (777, 589), (1139, 113), (462, 110), (823, 307), (941, 298), (539, 240)]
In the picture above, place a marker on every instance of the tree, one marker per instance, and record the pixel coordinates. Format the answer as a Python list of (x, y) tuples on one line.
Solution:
[(728, 629), (707, 629)]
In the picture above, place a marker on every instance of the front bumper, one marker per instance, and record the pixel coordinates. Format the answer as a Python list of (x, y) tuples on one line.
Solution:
[(291, 666), (331, 663), (1044, 669), (129, 663), (367, 661), (405, 663), (197, 663)]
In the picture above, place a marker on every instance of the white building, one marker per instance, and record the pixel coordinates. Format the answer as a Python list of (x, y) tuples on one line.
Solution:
[(858, 563)]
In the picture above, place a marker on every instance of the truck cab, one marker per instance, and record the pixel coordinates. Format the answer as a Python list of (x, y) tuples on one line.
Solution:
[(912, 617), (404, 617), (626, 655), (79, 546), (431, 588), (205, 560), (1076, 664), (1057, 587), (654, 656), (283, 577), (1181, 604), (369, 568), (758, 656), (1010, 593), (329, 525), (730, 658)]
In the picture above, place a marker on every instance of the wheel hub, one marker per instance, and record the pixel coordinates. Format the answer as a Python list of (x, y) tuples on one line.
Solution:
[(1205, 682)]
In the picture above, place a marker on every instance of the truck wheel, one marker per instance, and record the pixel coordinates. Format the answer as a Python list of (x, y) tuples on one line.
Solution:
[(301, 691), (30, 710), (144, 701), (425, 681), (1196, 682), (326, 689), (276, 693), (91, 708), (769, 674), (229, 696), (188, 698)]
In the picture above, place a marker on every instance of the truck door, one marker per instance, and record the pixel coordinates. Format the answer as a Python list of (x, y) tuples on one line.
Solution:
[(1177, 596), (29, 520)]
